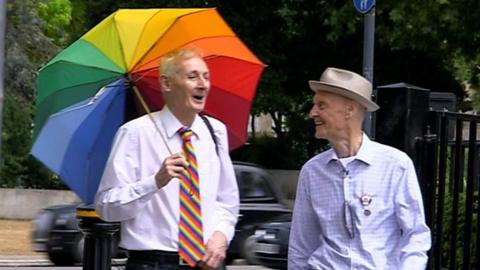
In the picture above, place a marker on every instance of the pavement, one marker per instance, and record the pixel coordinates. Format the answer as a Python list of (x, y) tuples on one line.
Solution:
[(36, 260), (41, 259), (24, 260)]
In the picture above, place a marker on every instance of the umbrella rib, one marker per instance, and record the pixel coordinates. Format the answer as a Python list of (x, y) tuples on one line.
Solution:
[(106, 80), (89, 103), (164, 33), (206, 57), (236, 58), (154, 43), (144, 73), (80, 65)]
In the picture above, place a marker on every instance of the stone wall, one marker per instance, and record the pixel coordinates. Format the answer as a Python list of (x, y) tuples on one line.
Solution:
[(27, 203)]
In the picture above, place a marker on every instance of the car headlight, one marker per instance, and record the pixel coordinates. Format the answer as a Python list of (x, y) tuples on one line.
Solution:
[(63, 219), (270, 235), (266, 234), (260, 232)]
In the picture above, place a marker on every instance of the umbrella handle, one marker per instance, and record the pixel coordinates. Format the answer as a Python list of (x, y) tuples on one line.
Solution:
[(145, 106)]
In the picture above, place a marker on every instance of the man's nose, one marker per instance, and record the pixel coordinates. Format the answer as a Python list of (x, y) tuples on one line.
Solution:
[(203, 82)]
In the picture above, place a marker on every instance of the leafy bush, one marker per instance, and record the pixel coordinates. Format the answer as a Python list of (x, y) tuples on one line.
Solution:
[(278, 153), (449, 222), (19, 168)]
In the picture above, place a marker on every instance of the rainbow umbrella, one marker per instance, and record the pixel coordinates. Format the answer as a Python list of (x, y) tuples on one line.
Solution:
[(83, 88)]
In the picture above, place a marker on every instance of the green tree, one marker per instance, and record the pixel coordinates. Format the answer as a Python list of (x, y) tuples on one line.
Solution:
[(56, 16), (27, 49), (20, 169), (432, 44), (15, 134), (298, 39)]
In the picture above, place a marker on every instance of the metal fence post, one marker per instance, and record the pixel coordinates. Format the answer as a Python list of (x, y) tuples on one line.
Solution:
[(402, 115), (97, 253)]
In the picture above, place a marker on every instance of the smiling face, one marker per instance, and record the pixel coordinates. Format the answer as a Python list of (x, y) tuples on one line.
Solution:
[(186, 88), (330, 114)]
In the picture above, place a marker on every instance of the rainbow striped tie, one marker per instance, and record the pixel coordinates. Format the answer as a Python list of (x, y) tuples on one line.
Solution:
[(190, 237)]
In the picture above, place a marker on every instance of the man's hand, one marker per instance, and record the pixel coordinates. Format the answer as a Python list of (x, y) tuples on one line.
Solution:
[(172, 166), (215, 251)]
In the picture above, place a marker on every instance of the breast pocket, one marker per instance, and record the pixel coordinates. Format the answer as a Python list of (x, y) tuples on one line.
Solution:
[(327, 202)]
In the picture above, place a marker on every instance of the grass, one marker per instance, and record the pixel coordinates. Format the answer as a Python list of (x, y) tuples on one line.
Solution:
[(15, 237)]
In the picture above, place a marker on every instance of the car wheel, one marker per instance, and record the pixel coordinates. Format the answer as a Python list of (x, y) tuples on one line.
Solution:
[(248, 250), (77, 250), (61, 258), (229, 260)]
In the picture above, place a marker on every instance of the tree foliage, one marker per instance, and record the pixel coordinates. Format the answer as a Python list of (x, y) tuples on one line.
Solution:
[(431, 44), (27, 49), (20, 169), (56, 15)]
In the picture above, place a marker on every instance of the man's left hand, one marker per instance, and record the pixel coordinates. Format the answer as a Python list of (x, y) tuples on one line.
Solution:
[(215, 251)]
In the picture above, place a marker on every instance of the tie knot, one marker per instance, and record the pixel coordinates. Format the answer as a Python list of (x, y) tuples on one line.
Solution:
[(186, 133)]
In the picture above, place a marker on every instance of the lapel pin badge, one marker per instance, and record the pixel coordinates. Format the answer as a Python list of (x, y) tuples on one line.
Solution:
[(366, 200)]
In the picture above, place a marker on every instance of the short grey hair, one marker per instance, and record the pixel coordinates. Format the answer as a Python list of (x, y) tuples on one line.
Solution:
[(170, 62)]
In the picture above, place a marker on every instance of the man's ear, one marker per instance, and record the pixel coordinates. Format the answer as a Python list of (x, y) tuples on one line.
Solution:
[(350, 108), (354, 109), (165, 83)]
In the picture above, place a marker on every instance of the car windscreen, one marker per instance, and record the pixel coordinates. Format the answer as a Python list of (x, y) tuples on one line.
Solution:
[(254, 187)]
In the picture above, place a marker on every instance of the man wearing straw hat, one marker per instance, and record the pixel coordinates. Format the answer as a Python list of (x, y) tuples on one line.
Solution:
[(358, 204), (169, 179)]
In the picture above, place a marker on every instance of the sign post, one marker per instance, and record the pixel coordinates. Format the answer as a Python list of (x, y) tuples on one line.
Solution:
[(367, 8), (3, 30), (364, 6)]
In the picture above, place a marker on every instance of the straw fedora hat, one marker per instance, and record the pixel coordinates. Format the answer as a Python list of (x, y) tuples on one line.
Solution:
[(348, 84)]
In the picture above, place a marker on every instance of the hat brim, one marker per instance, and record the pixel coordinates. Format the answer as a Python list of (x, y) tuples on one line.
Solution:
[(322, 86)]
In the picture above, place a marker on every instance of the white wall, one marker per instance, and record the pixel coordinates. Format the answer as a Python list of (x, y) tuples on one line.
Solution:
[(27, 203)]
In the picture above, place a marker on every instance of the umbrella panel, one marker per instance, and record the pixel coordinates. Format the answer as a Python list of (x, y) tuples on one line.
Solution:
[(63, 99), (202, 24), (75, 143)]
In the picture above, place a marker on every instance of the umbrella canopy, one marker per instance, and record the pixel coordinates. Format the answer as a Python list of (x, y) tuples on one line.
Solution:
[(84, 93), (75, 142), (130, 42)]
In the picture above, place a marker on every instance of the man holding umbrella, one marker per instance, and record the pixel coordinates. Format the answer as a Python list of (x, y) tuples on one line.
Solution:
[(169, 179)]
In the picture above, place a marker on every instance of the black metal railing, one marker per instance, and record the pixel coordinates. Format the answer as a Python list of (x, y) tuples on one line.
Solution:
[(447, 159), (98, 239)]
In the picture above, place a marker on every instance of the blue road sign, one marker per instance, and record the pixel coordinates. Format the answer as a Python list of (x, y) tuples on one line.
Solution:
[(363, 6)]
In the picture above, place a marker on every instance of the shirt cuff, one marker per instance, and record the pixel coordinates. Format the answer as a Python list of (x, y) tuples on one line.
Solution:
[(146, 186), (227, 229)]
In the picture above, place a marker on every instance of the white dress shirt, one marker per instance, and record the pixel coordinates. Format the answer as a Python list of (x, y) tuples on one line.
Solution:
[(368, 215), (149, 216)]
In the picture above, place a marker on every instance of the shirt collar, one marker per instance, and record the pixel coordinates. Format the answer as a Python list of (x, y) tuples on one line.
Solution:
[(171, 124), (364, 154)]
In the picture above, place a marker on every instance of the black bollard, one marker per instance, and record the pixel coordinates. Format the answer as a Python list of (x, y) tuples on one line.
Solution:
[(97, 251)]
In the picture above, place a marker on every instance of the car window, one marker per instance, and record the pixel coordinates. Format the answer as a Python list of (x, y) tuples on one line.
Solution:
[(253, 186)]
